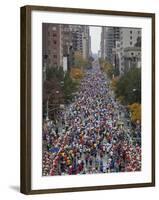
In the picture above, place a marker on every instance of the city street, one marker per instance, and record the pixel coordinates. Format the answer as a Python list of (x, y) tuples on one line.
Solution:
[(95, 135)]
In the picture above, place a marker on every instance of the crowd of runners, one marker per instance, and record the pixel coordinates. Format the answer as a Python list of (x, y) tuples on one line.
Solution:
[(93, 133)]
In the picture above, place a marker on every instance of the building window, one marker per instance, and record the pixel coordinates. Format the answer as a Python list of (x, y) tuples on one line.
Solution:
[(54, 34), (130, 32), (130, 43), (130, 37), (132, 53), (118, 45), (54, 28), (55, 56), (66, 29), (54, 42)]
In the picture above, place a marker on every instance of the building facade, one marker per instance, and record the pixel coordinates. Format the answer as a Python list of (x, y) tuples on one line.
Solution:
[(130, 54), (121, 47), (61, 41), (51, 45), (109, 36)]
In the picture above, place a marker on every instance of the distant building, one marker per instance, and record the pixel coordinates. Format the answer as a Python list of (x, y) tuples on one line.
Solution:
[(67, 50), (85, 42), (121, 47), (75, 39), (109, 36), (99, 53), (81, 40), (116, 56), (130, 55), (90, 51), (103, 43)]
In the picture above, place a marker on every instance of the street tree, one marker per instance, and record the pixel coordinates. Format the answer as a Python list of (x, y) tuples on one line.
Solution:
[(129, 86)]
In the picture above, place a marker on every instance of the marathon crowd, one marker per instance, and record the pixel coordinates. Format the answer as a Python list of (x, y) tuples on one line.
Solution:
[(95, 137)]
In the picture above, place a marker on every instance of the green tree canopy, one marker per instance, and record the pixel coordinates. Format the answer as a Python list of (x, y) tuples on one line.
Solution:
[(129, 86)]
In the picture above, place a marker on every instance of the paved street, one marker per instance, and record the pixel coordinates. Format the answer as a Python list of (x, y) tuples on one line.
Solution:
[(94, 136)]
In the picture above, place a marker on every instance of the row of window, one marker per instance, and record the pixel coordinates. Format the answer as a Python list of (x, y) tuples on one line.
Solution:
[(54, 34), (54, 42), (138, 32), (49, 62), (122, 43), (134, 59), (130, 38), (54, 51), (132, 54)]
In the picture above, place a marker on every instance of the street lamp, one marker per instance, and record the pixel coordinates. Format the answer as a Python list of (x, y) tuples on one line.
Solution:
[(135, 92), (134, 89), (62, 83), (44, 66), (47, 108), (47, 105)]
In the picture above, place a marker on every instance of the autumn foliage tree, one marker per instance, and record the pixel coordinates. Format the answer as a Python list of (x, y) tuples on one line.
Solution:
[(76, 73), (106, 67), (114, 83), (128, 91), (80, 62), (135, 110)]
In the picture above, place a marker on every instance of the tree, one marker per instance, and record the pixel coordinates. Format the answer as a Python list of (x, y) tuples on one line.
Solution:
[(114, 83), (76, 73), (107, 68), (80, 62), (116, 71), (55, 73), (135, 110), (69, 88), (129, 86), (52, 97), (58, 88)]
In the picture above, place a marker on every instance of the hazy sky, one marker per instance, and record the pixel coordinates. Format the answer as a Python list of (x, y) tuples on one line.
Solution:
[(95, 33)]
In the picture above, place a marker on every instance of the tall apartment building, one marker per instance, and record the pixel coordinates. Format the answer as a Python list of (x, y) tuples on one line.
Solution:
[(81, 40), (109, 36), (90, 51), (85, 42), (67, 49), (118, 46), (102, 43), (75, 38), (51, 45), (130, 53), (60, 41)]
